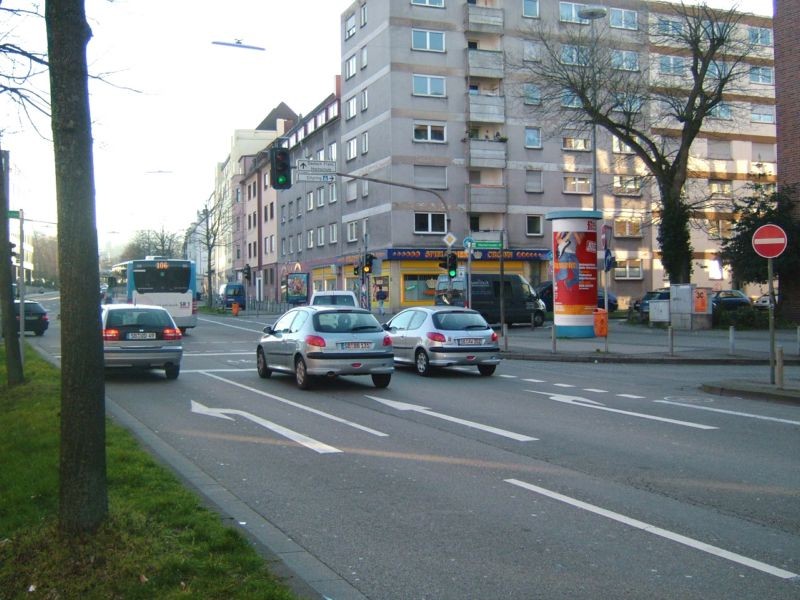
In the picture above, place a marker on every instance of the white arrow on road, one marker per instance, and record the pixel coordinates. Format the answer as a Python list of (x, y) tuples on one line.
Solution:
[(222, 413), (426, 411), (586, 403)]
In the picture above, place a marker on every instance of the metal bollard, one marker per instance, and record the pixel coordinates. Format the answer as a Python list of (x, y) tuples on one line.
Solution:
[(553, 337), (671, 340), (779, 367), (731, 339), (798, 341)]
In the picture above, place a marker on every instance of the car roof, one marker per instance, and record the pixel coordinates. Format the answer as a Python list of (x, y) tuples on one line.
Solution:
[(130, 306), (443, 308)]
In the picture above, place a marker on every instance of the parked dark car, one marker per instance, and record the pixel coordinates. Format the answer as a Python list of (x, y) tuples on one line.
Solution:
[(545, 292), (642, 306), (36, 319), (730, 300)]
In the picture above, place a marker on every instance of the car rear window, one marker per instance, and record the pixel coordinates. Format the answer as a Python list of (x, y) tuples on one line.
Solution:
[(138, 318), (345, 321), (31, 308), (453, 321), (335, 299)]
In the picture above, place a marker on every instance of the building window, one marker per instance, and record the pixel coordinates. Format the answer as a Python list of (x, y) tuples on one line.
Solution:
[(628, 269), (291, 244), (672, 65), (762, 75), (531, 51), (720, 187), (321, 235), (670, 27), (625, 228), (364, 57), (364, 99), (350, 26), (299, 243), (533, 225), (428, 85), (533, 180), (577, 184), (627, 185), (436, 3), (310, 200), (333, 233), (628, 103), (620, 147), (533, 137), (363, 14), (332, 193), (350, 67), (760, 36), (351, 148), (575, 55), (576, 143), (719, 229), (762, 113), (625, 60), (352, 190), (332, 151), (532, 94), (365, 143), (530, 8), (623, 19), (568, 12), (723, 111), (429, 222), (283, 246), (350, 108), (570, 100), (364, 188), (430, 41), (320, 154), (320, 196), (352, 231), (429, 132), (310, 238), (299, 208)]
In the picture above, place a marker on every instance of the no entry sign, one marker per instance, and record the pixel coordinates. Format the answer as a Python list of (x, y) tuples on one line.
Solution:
[(769, 241)]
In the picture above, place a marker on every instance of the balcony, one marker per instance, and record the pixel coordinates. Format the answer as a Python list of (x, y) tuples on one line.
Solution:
[(486, 198), (483, 19), (486, 109), (485, 63), (488, 154)]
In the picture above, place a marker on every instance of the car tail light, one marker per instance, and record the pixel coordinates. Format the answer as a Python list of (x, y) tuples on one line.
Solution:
[(171, 334), (387, 341), (435, 336), (315, 340), (45, 318), (494, 336), (110, 335)]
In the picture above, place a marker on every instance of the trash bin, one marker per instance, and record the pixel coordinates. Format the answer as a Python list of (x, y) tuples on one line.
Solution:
[(600, 322), (235, 309)]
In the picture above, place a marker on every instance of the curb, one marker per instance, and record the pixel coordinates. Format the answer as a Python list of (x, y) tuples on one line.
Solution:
[(601, 357)]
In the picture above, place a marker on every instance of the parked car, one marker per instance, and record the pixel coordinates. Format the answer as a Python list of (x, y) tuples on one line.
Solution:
[(141, 336), (334, 298), (233, 292), (545, 292), (729, 300), (521, 304), (642, 306), (325, 340), (36, 319), (443, 336), (762, 302)]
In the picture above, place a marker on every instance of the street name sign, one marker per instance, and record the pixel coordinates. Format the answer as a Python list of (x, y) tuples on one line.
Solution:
[(487, 245), (769, 241), (301, 176)]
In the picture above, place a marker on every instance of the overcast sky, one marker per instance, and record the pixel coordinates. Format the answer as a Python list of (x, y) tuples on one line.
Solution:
[(176, 98)]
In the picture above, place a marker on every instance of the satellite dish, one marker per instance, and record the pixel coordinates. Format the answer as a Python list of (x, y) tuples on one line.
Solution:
[(238, 44)]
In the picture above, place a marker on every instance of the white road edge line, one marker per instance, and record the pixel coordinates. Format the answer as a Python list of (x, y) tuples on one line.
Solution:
[(595, 390), (729, 412), (632, 396), (298, 405), (670, 535)]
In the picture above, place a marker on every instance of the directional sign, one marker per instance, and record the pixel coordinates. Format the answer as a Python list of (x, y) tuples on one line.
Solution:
[(13, 214), (487, 245), (468, 241), (769, 241), (316, 166), (301, 176)]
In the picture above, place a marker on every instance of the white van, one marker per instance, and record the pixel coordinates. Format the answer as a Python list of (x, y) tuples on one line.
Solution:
[(334, 298)]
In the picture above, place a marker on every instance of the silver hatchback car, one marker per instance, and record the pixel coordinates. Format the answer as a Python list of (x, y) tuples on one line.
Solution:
[(312, 341), (443, 336), (143, 336)]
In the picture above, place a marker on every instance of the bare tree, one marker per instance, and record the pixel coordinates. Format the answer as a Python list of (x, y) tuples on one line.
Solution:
[(587, 76), (45, 257), (213, 223), (83, 487)]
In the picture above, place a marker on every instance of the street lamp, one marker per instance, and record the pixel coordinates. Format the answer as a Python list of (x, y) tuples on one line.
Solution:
[(591, 14)]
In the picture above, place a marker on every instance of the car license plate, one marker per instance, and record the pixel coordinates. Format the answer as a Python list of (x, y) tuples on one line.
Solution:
[(137, 335), (356, 345), (470, 341), (31, 318)]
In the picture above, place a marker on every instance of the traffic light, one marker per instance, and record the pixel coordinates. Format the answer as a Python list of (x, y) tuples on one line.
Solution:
[(247, 272), (280, 173), (452, 264), (445, 261), (368, 263), (356, 270), (11, 253)]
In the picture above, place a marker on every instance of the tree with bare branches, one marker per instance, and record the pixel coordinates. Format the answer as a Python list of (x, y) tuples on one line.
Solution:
[(587, 76), (212, 226)]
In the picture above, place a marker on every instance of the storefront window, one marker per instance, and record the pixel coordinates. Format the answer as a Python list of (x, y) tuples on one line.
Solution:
[(419, 288)]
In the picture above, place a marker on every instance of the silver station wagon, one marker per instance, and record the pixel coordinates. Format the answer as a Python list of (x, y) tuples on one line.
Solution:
[(326, 341), (443, 336)]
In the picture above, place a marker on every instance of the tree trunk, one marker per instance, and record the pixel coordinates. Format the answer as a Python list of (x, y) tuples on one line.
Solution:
[(83, 492), (14, 372), (673, 236)]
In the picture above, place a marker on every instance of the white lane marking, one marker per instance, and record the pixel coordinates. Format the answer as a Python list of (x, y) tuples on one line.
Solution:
[(595, 390), (586, 403), (729, 412), (507, 376), (635, 397), (221, 354), (298, 405), (303, 440), (204, 371), (564, 385), (535, 380), (426, 411), (665, 533), (250, 329)]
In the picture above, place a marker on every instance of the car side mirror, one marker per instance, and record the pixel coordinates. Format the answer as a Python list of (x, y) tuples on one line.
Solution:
[(268, 330), (386, 327)]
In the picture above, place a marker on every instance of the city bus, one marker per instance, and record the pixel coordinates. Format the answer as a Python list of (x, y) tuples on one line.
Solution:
[(166, 282)]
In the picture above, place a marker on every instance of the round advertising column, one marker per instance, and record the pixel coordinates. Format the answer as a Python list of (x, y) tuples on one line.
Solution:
[(574, 271)]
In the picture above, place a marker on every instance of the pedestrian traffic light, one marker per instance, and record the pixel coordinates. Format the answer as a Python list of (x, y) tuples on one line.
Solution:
[(452, 264), (368, 263), (280, 173), (356, 270), (247, 272)]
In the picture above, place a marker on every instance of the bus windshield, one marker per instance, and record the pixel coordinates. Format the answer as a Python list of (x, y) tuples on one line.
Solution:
[(148, 280)]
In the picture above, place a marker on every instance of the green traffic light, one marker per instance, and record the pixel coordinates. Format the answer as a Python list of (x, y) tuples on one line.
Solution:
[(282, 179)]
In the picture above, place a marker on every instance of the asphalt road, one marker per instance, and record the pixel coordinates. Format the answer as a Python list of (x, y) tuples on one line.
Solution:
[(546, 480)]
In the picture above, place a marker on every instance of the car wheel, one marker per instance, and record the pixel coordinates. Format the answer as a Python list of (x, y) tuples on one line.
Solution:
[(261, 365), (538, 319), (172, 371), (486, 370), (422, 363), (39, 333), (301, 375), (381, 380)]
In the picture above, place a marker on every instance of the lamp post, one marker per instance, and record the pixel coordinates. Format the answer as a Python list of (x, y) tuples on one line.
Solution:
[(591, 14)]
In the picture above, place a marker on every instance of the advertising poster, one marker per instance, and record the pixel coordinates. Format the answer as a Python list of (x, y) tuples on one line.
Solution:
[(297, 288)]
